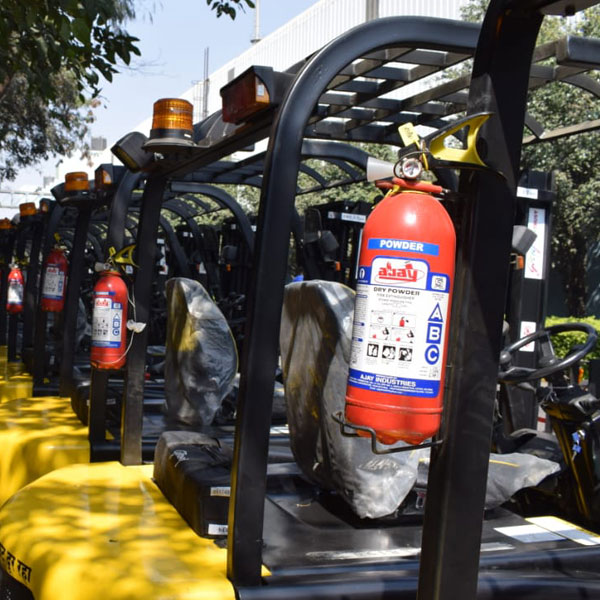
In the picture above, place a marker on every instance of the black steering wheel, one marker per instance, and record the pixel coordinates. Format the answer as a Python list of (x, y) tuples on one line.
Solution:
[(550, 363)]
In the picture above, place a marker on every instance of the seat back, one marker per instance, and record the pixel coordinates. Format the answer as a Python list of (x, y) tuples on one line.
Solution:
[(201, 357), (315, 341)]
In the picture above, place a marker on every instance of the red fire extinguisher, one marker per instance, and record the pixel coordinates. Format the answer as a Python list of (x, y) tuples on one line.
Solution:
[(400, 332), (14, 298), (109, 319), (55, 276)]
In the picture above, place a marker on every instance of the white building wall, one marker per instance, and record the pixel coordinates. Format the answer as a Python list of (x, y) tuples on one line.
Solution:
[(291, 43)]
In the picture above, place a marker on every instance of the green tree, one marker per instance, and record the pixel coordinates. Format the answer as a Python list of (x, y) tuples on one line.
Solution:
[(574, 159), (53, 56), (229, 7)]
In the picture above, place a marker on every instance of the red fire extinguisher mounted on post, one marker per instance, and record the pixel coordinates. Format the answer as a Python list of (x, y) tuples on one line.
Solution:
[(55, 280), (109, 318), (16, 285), (403, 295), (109, 333)]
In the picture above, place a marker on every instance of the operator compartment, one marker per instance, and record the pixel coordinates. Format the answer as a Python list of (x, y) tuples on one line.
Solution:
[(341, 503)]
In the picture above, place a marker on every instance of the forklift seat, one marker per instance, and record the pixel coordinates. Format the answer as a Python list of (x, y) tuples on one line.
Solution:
[(201, 356), (315, 339)]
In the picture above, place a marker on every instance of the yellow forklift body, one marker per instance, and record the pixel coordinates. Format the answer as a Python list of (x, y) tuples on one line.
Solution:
[(38, 435), (110, 534)]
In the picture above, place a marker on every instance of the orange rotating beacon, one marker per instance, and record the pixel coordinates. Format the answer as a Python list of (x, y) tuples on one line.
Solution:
[(403, 294)]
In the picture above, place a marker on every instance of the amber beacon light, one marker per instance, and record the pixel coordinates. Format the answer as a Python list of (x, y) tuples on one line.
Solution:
[(77, 182), (172, 125), (27, 209)]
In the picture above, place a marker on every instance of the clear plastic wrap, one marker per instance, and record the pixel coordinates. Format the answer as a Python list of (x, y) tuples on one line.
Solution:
[(201, 357), (507, 474)]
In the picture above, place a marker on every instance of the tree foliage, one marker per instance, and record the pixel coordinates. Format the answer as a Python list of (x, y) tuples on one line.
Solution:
[(54, 55), (32, 129), (39, 38), (573, 159), (229, 7)]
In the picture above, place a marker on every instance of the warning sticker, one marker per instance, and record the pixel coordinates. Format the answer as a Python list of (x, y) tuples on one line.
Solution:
[(107, 322), (400, 319), (15, 292), (54, 283)]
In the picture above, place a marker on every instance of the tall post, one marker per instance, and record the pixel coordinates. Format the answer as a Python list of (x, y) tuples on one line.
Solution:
[(458, 471), (99, 377), (76, 268), (133, 393)]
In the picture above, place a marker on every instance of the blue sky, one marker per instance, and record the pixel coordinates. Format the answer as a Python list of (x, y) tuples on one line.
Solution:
[(172, 43)]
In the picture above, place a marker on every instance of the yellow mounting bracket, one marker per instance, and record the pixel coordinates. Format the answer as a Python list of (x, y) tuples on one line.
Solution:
[(432, 149), (465, 156), (123, 256)]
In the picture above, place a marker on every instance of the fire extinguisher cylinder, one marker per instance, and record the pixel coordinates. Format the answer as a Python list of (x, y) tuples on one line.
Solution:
[(402, 311), (55, 279), (16, 285), (109, 318)]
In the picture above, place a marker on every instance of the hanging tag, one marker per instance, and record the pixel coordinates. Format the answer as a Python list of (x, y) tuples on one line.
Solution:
[(408, 134)]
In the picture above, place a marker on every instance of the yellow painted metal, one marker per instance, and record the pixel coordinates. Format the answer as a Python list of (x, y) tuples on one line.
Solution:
[(91, 532), (14, 381), (38, 435), (15, 386)]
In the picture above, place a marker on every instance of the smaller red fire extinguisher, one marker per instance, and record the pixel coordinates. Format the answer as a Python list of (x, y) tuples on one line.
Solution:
[(14, 298), (109, 321), (55, 277)]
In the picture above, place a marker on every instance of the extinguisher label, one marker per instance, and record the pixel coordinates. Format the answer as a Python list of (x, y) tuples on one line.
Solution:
[(15, 292), (107, 322), (399, 327), (54, 283), (406, 245)]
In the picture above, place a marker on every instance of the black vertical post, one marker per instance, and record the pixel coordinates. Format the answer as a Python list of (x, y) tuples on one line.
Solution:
[(76, 268), (133, 393), (458, 470), (99, 377), (526, 306), (7, 248), (31, 288), (39, 340)]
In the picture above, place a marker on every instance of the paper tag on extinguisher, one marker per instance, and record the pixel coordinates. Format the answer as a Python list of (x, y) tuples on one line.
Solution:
[(399, 326)]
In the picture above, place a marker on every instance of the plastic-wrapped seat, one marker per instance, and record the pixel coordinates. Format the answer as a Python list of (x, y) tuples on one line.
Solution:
[(201, 357), (316, 330), (193, 467)]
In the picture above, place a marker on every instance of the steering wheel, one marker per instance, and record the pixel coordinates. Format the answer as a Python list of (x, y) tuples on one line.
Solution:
[(550, 362)]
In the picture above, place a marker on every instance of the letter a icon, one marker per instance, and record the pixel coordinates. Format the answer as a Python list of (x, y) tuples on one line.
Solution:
[(436, 315)]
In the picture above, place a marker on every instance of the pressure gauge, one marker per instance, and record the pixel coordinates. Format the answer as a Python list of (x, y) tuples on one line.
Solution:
[(411, 168)]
